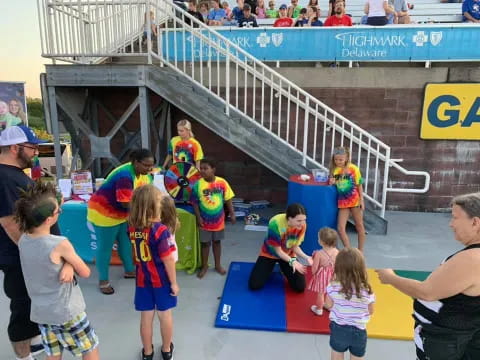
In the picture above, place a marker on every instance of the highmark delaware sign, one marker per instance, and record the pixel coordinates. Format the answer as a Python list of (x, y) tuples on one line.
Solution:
[(362, 43), (451, 111)]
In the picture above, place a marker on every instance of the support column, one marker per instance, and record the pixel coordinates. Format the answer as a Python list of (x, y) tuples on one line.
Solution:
[(144, 116), (55, 129), (94, 124)]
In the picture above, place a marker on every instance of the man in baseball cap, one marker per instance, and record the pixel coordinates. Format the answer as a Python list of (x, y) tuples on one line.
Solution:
[(18, 146), (283, 19), (26, 145)]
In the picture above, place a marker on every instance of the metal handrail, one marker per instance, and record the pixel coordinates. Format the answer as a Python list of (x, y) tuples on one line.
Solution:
[(307, 126)]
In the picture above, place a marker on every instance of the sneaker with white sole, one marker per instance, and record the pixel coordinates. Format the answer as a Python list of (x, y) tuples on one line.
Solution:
[(316, 310)]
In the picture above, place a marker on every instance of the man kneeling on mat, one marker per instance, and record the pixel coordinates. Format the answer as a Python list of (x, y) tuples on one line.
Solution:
[(282, 244)]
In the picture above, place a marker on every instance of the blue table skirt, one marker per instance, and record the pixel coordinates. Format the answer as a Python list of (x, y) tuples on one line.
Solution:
[(320, 202)]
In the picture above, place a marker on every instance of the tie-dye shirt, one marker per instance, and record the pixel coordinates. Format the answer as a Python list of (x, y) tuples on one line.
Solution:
[(353, 312), (347, 180), (150, 246), (106, 206), (185, 150), (210, 197), (281, 235)]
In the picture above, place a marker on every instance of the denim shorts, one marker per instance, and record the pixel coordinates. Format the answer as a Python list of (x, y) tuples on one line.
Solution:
[(346, 337)]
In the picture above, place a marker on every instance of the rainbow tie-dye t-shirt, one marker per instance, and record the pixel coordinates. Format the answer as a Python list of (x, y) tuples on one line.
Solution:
[(347, 180), (185, 150), (210, 197), (281, 235), (106, 206)]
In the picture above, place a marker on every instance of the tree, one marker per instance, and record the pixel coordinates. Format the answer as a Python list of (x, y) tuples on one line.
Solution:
[(36, 118)]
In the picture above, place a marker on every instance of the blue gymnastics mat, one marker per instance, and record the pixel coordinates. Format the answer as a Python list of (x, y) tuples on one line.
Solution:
[(241, 308)]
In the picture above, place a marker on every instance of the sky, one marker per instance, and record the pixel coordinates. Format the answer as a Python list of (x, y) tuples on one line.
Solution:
[(21, 41), (20, 36)]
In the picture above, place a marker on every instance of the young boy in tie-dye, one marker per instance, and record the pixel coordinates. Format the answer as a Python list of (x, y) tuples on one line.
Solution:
[(208, 197)]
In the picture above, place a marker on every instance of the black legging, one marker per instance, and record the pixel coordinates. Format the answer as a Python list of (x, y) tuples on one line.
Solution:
[(263, 268)]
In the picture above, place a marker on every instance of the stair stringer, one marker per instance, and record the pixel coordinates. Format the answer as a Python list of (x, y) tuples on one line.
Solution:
[(237, 129), (240, 131)]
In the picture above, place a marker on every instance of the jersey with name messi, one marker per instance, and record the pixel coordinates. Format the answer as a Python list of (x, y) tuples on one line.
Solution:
[(106, 206), (188, 150), (283, 236), (150, 246), (347, 180), (210, 197)]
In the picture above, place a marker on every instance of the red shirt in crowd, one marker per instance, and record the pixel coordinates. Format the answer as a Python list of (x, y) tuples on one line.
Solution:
[(283, 22), (345, 20)]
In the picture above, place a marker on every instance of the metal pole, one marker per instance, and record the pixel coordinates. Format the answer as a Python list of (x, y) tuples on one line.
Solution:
[(227, 82), (144, 120), (55, 129), (305, 132), (385, 183)]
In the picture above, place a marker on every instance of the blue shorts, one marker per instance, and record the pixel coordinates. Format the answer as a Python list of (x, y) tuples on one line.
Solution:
[(346, 337), (160, 299)]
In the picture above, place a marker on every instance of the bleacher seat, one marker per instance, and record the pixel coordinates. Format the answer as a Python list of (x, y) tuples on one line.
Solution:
[(424, 11)]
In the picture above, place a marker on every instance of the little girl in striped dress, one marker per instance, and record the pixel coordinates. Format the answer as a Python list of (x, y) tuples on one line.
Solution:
[(323, 266)]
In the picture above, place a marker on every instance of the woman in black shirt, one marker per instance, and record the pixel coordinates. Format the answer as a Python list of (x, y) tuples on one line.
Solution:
[(447, 303)]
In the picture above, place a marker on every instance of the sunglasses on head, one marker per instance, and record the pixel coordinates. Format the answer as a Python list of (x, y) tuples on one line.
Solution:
[(339, 152)]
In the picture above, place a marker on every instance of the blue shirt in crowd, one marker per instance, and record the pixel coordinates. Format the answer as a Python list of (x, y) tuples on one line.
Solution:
[(472, 7), (217, 15)]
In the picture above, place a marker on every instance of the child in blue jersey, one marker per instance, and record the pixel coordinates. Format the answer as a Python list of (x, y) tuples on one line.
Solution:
[(156, 282)]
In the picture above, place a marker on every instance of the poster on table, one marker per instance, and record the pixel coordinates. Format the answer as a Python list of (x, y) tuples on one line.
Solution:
[(82, 182), (13, 104)]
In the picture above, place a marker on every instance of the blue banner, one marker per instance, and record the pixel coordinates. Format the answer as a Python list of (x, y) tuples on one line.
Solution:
[(359, 43)]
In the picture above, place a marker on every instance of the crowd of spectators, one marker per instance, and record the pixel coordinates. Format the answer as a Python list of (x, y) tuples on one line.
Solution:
[(246, 13)]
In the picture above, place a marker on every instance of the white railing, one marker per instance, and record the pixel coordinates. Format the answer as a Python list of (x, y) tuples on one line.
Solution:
[(244, 84), (84, 31)]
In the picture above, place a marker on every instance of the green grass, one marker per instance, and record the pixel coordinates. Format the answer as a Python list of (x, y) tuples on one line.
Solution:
[(36, 122)]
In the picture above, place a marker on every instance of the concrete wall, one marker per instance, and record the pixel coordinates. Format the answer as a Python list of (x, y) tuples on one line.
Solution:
[(249, 179), (385, 101), (393, 115), (388, 103)]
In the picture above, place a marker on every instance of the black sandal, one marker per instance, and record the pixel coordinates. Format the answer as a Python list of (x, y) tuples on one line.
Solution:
[(106, 289)]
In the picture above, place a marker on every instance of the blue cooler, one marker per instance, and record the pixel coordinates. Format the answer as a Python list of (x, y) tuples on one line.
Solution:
[(320, 202), (73, 225)]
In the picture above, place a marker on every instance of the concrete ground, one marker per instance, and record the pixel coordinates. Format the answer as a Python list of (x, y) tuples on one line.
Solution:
[(415, 241)]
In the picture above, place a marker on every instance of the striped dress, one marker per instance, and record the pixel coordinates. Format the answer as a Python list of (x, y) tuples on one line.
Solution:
[(324, 274)]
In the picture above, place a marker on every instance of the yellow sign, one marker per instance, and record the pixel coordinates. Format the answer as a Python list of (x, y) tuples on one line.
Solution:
[(451, 111)]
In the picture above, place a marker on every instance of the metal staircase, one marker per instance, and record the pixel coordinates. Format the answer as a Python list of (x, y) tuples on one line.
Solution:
[(222, 86)]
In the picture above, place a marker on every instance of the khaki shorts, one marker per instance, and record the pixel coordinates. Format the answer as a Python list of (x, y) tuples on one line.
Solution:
[(209, 236)]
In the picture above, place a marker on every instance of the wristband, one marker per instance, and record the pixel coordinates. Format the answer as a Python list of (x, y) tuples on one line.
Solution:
[(291, 261)]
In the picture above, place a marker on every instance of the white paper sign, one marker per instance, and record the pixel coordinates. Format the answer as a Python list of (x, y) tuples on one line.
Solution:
[(159, 183), (65, 186)]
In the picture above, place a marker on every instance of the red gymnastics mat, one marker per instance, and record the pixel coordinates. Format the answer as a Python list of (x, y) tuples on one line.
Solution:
[(299, 316), (277, 308)]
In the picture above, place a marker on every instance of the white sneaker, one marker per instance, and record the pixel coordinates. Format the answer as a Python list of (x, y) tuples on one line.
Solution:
[(316, 310)]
